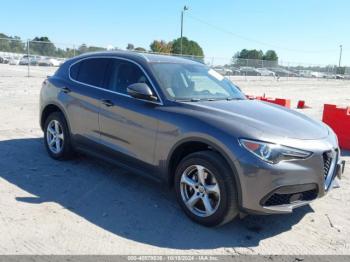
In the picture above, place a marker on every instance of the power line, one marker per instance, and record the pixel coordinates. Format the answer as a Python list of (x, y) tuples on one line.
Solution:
[(218, 28)]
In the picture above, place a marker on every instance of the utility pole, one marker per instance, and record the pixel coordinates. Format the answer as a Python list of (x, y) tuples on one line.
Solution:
[(340, 54), (182, 23), (28, 60)]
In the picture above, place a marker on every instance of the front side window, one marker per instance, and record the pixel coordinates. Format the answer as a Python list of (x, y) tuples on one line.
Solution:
[(90, 71), (192, 81), (122, 74)]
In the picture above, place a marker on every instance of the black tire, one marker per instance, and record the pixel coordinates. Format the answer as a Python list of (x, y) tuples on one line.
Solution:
[(227, 208), (67, 151)]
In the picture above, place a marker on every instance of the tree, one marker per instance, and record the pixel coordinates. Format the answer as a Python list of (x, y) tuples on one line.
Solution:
[(130, 47), (254, 58), (11, 44), (82, 49), (189, 47), (270, 55), (42, 46), (16, 45), (95, 49), (250, 54), (85, 49), (161, 47), (140, 49)]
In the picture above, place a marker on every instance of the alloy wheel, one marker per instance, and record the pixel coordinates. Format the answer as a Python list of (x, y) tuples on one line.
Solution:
[(200, 190), (55, 136)]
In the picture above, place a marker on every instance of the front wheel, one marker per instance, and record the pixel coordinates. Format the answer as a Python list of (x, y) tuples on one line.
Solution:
[(205, 189)]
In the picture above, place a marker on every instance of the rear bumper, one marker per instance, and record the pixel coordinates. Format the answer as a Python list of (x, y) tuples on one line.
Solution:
[(273, 189)]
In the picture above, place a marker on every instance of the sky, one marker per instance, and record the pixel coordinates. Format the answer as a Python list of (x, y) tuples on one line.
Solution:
[(300, 31)]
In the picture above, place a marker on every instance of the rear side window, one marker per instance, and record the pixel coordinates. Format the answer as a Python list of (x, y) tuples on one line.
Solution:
[(90, 71), (74, 71)]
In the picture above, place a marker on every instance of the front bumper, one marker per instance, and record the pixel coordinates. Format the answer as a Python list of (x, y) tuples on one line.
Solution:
[(270, 189)]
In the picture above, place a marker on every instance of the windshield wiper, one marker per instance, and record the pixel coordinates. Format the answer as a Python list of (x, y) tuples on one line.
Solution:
[(234, 98), (188, 100), (225, 98), (195, 100)]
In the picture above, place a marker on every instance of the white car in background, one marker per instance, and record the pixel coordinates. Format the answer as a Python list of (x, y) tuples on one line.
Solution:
[(265, 72), (14, 61), (61, 61), (4, 59), (317, 75), (223, 71), (49, 62), (31, 60)]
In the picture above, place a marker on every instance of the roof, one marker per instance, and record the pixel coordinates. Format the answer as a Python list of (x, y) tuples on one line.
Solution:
[(145, 57)]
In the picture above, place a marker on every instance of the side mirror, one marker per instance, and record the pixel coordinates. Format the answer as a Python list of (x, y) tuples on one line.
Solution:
[(141, 91)]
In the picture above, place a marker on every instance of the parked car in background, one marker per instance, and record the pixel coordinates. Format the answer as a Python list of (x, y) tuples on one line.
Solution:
[(61, 61), (186, 125), (249, 71), (223, 71), (4, 59), (317, 74), (25, 60), (279, 71), (339, 76), (236, 71), (265, 72), (31, 59), (14, 61), (305, 73), (47, 61)]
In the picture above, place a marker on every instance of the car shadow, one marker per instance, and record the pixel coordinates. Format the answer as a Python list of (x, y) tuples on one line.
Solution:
[(125, 204)]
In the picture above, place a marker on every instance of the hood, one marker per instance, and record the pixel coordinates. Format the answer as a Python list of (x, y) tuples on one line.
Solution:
[(269, 119)]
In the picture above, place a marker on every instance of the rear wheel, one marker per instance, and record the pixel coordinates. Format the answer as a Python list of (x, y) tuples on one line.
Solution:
[(57, 137), (205, 189)]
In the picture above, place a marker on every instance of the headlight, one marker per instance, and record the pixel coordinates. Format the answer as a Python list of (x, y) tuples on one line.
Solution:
[(273, 153)]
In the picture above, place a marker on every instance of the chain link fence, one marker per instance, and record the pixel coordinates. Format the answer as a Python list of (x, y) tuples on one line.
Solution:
[(40, 58)]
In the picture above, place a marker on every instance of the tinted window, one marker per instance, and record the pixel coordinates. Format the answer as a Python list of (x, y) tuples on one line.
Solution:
[(74, 71), (122, 74), (91, 71)]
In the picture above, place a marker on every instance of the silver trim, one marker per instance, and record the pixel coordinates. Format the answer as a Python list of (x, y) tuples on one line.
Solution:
[(329, 178), (114, 92)]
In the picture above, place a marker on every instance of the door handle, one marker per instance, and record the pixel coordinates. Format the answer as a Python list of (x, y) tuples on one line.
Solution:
[(66, 90), (107, 102)]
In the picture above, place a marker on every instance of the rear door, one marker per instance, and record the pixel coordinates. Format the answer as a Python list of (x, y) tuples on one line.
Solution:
[(87, 77), (128, 126)]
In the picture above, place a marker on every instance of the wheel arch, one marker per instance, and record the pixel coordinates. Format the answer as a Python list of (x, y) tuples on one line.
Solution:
[(194, 144), (49, 109)]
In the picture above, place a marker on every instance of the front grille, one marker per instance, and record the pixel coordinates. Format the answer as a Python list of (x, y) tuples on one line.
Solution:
[(285, 199), (327, 162)]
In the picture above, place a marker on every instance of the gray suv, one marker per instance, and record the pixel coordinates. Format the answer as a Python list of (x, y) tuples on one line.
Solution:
[(184, 124)]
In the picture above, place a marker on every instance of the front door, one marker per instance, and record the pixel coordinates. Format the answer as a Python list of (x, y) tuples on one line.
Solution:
[(128, 126)]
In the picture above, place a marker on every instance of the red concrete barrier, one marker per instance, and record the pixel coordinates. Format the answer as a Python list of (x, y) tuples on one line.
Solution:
[(339, 120), (301, 104), (277, 101)]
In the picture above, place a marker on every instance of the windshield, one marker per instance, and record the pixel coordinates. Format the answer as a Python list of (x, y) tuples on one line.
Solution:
[(194, 82)]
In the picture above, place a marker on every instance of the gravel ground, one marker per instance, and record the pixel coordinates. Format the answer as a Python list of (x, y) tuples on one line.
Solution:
[(85, 206)]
